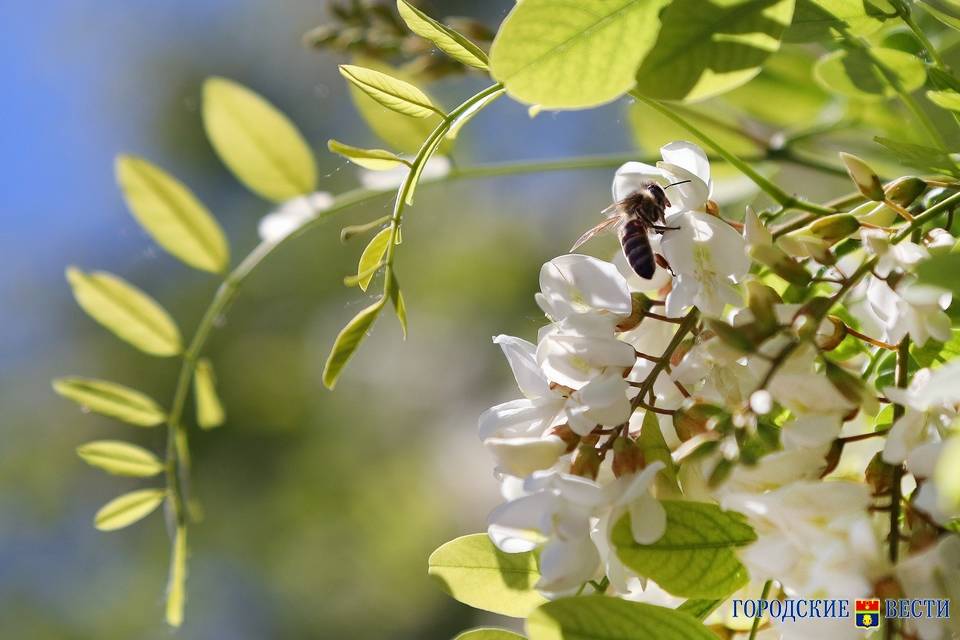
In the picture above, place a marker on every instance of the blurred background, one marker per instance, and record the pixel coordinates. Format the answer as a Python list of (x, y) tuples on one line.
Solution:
[(320, 509)]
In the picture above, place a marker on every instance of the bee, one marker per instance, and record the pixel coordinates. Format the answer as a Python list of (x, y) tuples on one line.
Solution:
[(634, 217)]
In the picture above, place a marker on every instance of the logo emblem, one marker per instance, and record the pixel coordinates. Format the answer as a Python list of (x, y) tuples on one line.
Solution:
[(867, 613)]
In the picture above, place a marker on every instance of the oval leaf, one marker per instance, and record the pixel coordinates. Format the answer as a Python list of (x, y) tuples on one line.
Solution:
[(126, 311), (853, 73), (172, 214), (595, 617), (399, 306), (447, 40), (257, 142), (695, 557), (110, 399), (210, 412), (707, 47), (129, 508), (489, 633), (373, 159), (475, 572), (946, 99), (347, 342), (548, 53), (371, 257), (393, 93), (120, 458), (395, 129)]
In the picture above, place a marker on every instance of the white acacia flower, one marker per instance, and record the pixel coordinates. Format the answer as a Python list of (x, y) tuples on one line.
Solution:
[(575, 284), (436, 167), (815, 538), (658, 282), (930, 402), (707, 254), (292, 215), (556, 514), (923, 463), (914, 309), (709, 257), (714, 373), (579, 348), (903, 255), (933, 573)]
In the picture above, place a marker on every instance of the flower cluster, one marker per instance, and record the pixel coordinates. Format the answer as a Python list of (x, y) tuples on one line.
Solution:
[(706, 361)]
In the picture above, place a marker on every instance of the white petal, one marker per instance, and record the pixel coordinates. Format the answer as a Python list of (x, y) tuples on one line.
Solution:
[(648, 519), (521, 417), (578, 284), (686, 191), (689, 156), (567, 564), (523, 456), (522, 357), (633, 176)]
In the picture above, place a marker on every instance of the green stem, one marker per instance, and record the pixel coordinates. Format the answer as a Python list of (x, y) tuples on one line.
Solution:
[(756, 621), (904, 12), (896, 473), (780, 196)]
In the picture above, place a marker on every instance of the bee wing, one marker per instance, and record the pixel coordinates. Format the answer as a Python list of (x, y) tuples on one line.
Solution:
[(603, 226)]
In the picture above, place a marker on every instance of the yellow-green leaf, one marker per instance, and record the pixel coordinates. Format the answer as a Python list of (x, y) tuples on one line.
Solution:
[(172, 214), (371, 257), (129, 508), (854, 72), (447, 40), (177, 581), (347, 342), (489, 633), (398, 131), (373, 159), (561, 55), (120, 458), (473, 571), (393, 93), (707, 47), (126, 311), (596, 617), (210, 412), (396, 297), (111, 399), (945, 99), (259, 144)]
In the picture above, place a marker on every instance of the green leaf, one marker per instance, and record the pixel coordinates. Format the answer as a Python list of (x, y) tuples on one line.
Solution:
[(172, 214), (695, 557), (815, 20), (112, 400), (785, 79), (560, 55), (935, 353), (129, 508), (347, 342), (700, 609), (393, 93), (396, 297), (941, 271), (489, 633), (948, 99), (447, 40), (946, 11), (854, 73), (126, 311), (259, 144), (210, 412), (120, 458), (916, 155), (372, 257), (652, 129), (655, 448), (177, 580), (708, 47), (373, 159), (603, 618), (475, 572)]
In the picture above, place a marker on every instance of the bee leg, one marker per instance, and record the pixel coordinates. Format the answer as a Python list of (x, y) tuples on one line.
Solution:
[(659, 228), (662, 262)]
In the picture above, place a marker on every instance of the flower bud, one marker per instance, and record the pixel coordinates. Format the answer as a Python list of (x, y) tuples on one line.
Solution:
[(761, 300), (904, 191), (569, 437), (780, 263), (832, 229), (627, 457), (863, 176), (586, 461), (832, 341), (692, 420), (878, 475), (850, 386), (875, 213), (640, 306), (832, 458)]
